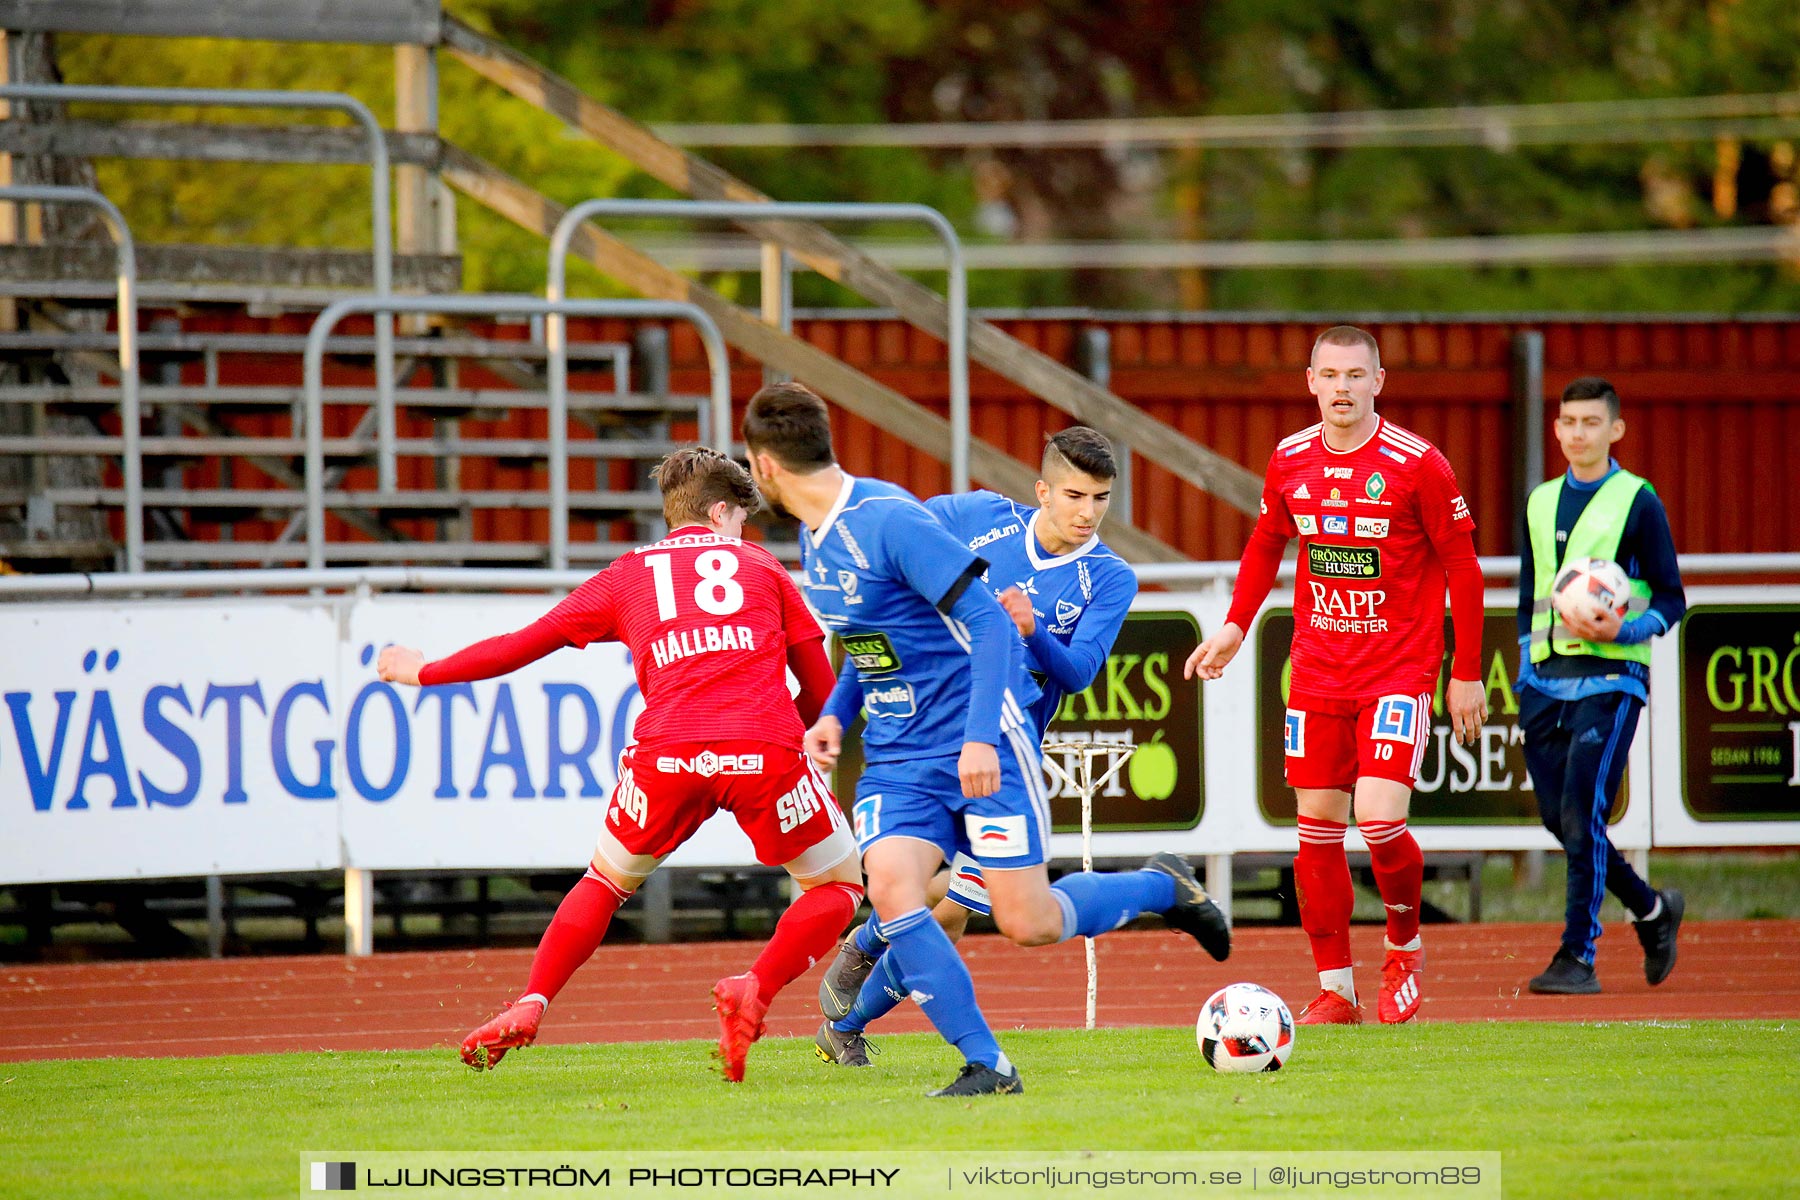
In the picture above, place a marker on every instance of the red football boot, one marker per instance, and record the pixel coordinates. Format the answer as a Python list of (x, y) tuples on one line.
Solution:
[(1329, 1008), (1399, 1000), (516, 1025), (740, 1020)]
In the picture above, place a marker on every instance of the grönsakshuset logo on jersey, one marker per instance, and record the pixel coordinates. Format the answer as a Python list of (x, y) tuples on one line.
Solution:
[(1485, 783)]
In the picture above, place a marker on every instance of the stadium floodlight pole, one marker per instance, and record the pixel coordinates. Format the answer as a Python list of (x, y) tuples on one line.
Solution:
[(380, 208), (130, 411), (741, 211), (1078, 776), (487, 305)]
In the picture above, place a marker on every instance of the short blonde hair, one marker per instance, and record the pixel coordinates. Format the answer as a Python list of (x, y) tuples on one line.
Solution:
[(695, 479), (1348, 335)]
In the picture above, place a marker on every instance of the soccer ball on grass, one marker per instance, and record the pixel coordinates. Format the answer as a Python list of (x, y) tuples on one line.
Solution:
[(1245, 1028), (1591, 586)]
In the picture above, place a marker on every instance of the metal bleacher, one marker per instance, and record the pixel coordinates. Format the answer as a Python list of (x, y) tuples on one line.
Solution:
[(221, 469)]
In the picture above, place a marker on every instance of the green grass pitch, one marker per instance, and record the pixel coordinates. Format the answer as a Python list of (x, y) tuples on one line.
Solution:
[(1604, 1110)]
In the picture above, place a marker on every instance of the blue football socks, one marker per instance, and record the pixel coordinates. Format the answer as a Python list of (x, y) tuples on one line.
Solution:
[(933, 973), (1094, 904), (867, 938)]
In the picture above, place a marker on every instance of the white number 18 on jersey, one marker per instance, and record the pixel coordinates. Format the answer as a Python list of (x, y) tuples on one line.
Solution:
[(715, 592)]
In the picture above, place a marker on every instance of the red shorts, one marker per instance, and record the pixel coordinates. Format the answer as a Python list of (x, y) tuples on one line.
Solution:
[(668, 790), (1385, 738)]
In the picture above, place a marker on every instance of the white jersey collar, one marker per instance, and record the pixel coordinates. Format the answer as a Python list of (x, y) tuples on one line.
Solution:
[(1038, 561), (837, 508)]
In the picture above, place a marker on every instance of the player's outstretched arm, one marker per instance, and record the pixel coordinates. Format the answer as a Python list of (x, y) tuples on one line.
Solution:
[(484, 660), (1211, 657), (399, 664)]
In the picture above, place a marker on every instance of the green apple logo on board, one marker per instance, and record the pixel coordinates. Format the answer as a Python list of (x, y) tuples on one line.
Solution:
[(1153, 769)]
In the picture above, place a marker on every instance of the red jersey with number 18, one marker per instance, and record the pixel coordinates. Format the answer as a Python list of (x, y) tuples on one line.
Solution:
[(1369, 590), (708, 620)]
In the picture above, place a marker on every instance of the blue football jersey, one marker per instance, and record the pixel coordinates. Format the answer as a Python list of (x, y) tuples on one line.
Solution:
[(878, 571), (1080, 598)]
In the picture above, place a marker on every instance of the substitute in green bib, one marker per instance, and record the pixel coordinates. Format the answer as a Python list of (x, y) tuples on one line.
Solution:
[(1583, 681)]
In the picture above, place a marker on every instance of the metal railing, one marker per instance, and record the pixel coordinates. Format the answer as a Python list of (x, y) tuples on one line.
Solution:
[(130, 415), (533, 579), (380, 210), (732, 210), (1498, 567), (558, 398)]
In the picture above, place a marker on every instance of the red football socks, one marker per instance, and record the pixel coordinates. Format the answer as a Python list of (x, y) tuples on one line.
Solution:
[(807, 932), (1399, 875), (574, 934), (1325, 893)]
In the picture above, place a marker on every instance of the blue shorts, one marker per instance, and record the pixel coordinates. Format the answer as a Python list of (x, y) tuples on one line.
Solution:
[(922, 799)]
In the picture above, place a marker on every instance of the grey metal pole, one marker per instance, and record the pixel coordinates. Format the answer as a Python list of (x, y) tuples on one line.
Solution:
[(558, 405), (130, 413), (380, 206), (1528, 414), (732, 210)]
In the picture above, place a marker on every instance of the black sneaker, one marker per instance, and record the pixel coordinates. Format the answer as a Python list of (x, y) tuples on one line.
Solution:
[(842, 1049), (1658, 936), (1566, 976), (975, 1079), (1193, 913), (843, 979)]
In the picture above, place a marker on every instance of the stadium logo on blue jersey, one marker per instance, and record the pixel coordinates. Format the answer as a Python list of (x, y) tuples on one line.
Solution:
[(1337, 524), (894, 701), (993, 535)]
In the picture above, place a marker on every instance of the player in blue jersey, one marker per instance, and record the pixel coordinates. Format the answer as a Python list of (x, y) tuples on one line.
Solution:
[(1021, 543)]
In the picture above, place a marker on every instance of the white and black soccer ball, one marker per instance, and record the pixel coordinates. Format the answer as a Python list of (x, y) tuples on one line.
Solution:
[(1244, 1028), (1591, 586)]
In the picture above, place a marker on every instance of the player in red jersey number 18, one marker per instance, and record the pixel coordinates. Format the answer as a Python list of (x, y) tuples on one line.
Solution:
[(1383, 529), (713, 624)]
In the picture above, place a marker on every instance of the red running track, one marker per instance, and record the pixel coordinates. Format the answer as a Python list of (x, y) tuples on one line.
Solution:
[(1727, 969)]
